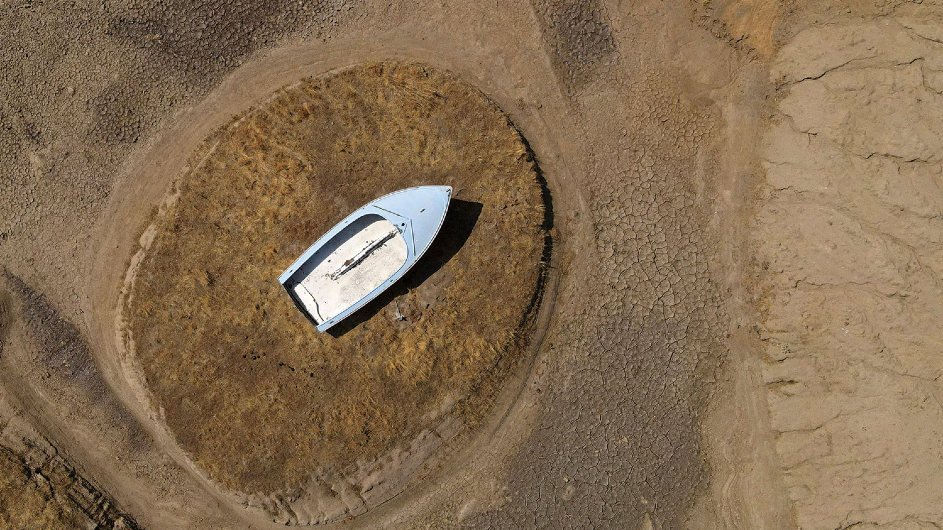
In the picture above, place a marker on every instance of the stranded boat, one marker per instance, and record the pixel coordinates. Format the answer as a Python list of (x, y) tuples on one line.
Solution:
[(365, 253)]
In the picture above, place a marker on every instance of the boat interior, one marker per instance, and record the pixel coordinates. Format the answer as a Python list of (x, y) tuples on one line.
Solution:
[(349, 266)]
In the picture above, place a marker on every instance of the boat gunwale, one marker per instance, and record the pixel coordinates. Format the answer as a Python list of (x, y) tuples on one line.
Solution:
[(412, 253)]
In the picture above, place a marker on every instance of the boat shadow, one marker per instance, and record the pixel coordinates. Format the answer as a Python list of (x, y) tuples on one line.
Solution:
[(460, 221)]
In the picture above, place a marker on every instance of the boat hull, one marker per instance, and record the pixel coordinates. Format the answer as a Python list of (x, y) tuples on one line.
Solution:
[(365, 254)]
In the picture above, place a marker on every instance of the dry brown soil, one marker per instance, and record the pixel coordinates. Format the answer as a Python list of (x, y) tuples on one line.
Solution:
[(741, 323)]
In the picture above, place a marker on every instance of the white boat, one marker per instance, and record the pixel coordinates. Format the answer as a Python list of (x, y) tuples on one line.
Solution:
[(365, 254)]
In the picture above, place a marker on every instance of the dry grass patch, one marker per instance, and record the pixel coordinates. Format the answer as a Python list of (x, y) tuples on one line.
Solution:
[(26, 503), (253, 392), (51, 496)]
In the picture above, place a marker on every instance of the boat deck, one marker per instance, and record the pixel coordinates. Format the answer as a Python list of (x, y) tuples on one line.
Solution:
[(350, 266)]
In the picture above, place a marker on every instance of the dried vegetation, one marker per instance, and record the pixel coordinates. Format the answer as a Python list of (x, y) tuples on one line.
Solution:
[(251, 390), (38, 491), (25, 503)]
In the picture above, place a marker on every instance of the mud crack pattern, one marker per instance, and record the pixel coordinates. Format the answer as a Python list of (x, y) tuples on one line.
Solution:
[(645, 333)]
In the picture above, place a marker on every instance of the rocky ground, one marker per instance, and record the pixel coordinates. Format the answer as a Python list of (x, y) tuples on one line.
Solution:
[(741, 328)]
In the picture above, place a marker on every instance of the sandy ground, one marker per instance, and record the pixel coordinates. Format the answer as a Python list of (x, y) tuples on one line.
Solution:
[(743, 331), (850, 231)]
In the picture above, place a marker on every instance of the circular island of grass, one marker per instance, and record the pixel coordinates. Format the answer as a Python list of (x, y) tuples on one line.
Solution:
[(259, 400)]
